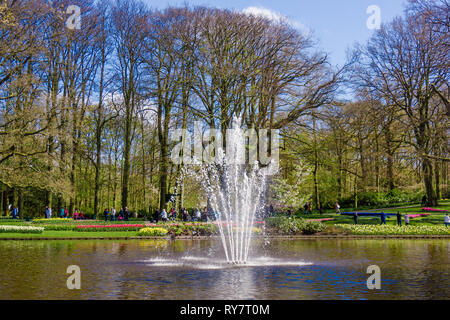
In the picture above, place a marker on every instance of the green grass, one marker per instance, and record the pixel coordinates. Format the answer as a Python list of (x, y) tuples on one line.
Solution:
[(70, 234), (436, 218)]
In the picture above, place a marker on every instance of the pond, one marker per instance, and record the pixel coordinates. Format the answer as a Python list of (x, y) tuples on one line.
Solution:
[(195, 269)]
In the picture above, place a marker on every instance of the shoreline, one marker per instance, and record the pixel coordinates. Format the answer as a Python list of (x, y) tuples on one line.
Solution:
[(280, 237)]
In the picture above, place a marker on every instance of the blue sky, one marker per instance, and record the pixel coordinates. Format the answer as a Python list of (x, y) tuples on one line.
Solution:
[(336, 24)]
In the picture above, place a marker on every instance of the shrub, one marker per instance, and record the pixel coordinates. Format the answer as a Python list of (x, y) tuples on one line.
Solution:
[(285, 225), (196, 229), (311, 227), (152, 232)]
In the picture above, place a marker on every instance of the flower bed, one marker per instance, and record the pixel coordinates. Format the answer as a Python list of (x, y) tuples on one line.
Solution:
[(359, 229), (152, 232), (255, 230), (434, 210), (20, 229), (113, 227), (72, 221), (412, 216)]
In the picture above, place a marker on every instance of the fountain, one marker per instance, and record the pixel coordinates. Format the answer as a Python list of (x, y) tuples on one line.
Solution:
[(235, 192)]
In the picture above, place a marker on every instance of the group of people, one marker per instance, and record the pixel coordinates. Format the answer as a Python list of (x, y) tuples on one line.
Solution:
[(77, 214), (184, 215), (124, 214), (308, 207), (399, 219), (383, 218), (64, 213)]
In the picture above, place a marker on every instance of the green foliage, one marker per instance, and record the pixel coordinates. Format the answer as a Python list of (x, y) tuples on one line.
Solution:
[(193, 229), (285, 225), (312, 227), (382, 199), (290, 192)]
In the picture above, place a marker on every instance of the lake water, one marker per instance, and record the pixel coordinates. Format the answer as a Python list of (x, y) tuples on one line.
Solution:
[(195, 269)]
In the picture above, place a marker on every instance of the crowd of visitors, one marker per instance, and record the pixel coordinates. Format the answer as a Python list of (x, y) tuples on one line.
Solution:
[(196, 215)]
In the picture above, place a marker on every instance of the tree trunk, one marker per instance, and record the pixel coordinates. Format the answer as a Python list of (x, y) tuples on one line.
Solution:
[(437, 180), (5, 202), (20, 202), (126, 164), (427, 168), (316, 168)]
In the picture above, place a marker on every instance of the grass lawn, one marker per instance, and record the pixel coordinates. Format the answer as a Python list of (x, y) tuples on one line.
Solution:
[(436, 218), (70, 234)]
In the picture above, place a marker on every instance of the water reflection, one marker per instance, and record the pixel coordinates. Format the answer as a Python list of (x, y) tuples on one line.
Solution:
[(159, 269)]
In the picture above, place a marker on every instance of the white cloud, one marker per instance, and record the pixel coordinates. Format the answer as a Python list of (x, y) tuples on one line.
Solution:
[(275, 16), (263, 12)]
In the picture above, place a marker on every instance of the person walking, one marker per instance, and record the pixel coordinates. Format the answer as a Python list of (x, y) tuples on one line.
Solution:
[(106, 213), (47, 212), (337, 208), (305, 207), (164, 215), (383, 218), (156, 215), (113, 214), (205, 214), (399, 219), (15, 211), (127, 213), (424, 200), (446, 220), (61, 213), (355, 217), (406, 219)]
